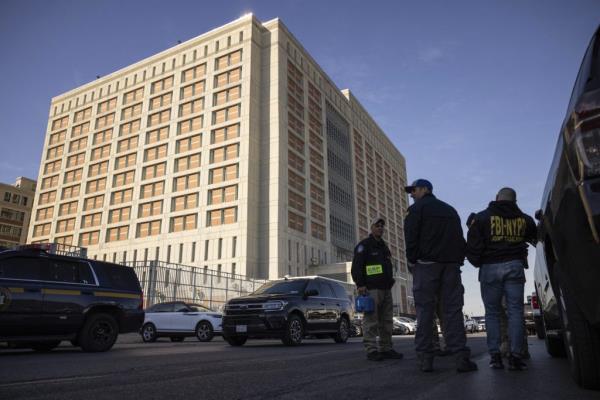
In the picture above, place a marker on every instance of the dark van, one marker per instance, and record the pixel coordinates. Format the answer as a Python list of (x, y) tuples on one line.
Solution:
[(47, 298), (567, 270)]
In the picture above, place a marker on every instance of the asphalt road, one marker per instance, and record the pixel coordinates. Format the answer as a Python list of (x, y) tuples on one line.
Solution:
[(318, 369)]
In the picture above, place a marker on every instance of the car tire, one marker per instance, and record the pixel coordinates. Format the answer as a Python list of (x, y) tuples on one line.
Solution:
[(177, 339), (343, 332), (44, 347), (204, 331), (294, 331), (99, 333), (149, 333), (235, 341), (581, 340)]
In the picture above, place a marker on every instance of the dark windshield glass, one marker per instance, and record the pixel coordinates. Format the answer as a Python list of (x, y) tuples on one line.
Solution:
[(293, 286), (198, 308)]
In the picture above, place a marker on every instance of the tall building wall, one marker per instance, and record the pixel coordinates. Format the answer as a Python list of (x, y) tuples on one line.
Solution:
[(222, 152), (16, 202)]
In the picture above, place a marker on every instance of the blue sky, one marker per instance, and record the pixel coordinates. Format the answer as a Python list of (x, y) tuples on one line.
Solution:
[(472, 92)]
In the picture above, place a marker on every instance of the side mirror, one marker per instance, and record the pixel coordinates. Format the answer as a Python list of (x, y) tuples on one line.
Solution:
[(539, 215), (312, 292)]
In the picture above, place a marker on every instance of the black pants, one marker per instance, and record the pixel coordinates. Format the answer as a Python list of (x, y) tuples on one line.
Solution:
[(430, 282)]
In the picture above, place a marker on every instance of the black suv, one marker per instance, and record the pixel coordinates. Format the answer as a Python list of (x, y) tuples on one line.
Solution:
[(46, 298), (567, 270), (290, 309)]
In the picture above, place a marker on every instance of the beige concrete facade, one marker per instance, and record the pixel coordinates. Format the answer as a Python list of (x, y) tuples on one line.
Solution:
[(16, 202), (232, 151)]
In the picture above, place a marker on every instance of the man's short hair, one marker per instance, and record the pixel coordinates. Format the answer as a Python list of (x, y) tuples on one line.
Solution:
[(506, 194)]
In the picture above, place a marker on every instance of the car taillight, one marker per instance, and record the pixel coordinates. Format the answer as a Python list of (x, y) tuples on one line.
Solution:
[(534, 302)]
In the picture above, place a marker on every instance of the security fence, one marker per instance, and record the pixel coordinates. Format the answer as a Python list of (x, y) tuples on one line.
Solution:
[(163, 281)]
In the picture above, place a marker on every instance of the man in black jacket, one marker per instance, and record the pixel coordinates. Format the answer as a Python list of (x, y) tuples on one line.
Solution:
[(435, 249), (372, 272), (497, 244)]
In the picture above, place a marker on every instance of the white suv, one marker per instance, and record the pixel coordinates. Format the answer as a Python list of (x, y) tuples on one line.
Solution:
[(178, 320)]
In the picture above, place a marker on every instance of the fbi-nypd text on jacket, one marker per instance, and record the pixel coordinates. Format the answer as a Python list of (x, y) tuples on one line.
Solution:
[(500, 233)]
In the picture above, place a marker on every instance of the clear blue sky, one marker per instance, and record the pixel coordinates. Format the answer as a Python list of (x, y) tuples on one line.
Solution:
[(472, 92)]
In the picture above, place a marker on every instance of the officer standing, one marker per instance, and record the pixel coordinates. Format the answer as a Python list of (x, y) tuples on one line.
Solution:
[(372, 273), (497, 243), (435, 249)]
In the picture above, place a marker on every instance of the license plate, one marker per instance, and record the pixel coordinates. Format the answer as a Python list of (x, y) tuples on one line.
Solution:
[(241, 328)]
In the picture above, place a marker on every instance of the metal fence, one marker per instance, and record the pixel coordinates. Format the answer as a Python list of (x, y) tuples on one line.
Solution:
[(163, 281)]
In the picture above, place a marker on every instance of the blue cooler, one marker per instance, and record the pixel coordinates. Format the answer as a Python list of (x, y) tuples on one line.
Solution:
[(364, 304)]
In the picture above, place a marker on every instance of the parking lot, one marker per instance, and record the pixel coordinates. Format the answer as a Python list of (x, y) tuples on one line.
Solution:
[(267, 369)]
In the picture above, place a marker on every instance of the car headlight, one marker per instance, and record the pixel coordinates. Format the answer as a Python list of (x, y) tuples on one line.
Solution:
[(276, 305)]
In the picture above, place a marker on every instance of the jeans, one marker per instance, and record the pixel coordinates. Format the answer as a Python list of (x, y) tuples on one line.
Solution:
[(503, 279), (439, 282)]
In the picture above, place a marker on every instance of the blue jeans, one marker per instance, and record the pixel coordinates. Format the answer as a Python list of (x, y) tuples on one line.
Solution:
[(503, 279)]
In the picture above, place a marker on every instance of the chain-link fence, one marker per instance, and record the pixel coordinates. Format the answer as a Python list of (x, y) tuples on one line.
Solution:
[(163, 281)]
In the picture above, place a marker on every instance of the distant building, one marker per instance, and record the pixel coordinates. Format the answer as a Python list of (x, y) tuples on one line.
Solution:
[(233, 151), (16, 202)]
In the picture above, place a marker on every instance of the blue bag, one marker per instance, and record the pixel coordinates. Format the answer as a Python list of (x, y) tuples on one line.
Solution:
[(364, 304)]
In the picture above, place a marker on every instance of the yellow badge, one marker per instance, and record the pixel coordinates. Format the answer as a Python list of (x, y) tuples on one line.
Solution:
[(374, 269)]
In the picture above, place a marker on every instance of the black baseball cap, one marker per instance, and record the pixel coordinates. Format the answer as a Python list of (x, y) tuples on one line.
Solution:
[(419, 183)]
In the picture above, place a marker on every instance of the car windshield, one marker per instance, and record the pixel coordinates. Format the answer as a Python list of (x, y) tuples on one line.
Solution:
[(198, 308), (293, 286)]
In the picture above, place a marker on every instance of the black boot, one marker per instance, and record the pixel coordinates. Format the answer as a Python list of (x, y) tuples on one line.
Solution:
[(516, 364), (425, 362), (496, 361), (464, 363)]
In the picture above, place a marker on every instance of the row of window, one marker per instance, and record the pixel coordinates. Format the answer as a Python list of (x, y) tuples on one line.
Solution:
[(15, 198), (180, 223)]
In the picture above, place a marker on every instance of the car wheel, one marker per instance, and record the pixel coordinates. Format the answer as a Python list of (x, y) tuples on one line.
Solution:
[(149, 333), (294, 331), (204, 331), (539, 328), (177, 339), (343, 331), (235, 340), (43, 347), (99, 333), (582, 342)]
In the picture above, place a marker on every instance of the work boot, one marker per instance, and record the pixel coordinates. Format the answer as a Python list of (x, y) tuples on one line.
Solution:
[(442, 353), (425, 361), (391, 355), (374, 356), (516, 364), (496, 361), (464, 363)]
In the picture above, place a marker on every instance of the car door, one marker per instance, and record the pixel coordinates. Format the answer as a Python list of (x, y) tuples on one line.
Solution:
[(161, 316), (314, 306), (21, 295), (68, 288), (184, 318), (330, 305)]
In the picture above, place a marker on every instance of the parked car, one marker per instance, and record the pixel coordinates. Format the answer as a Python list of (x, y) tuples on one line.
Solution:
[(480, 321), (178, 320), (46, 298), (403, 326), (471, 325), (290, 309), (566, 273), (528, 318), (537, 316), (356, 328)]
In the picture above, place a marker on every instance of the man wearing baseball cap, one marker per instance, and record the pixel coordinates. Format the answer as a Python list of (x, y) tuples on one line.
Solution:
[(435, 250), (372, 272)]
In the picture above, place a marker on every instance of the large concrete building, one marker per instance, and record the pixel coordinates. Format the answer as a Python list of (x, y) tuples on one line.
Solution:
[(232, 151), (15, 211)]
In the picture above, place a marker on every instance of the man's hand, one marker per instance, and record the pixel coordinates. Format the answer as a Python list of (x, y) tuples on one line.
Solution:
[(362, 290)]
